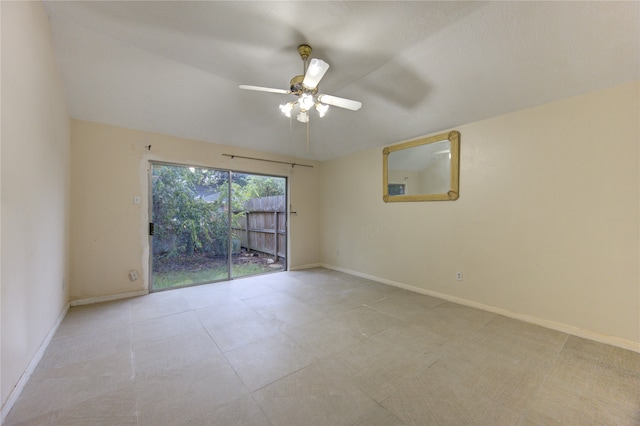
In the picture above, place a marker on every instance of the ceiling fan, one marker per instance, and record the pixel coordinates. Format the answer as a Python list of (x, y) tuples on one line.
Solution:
[(305, 87)]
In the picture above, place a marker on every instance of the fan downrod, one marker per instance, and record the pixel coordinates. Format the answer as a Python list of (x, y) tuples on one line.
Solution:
[(296, 82)]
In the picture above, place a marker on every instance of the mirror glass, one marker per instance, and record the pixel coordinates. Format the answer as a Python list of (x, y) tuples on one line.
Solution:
[(422, 170)]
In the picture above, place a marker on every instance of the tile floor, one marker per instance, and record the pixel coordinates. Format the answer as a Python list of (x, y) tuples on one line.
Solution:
[(319, 347)]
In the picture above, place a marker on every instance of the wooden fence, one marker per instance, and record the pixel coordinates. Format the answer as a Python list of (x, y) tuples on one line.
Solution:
[(263, 226)]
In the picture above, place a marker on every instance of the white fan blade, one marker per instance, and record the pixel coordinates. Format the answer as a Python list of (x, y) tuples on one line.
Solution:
[(339, 102), (315, 72), (264, 89)]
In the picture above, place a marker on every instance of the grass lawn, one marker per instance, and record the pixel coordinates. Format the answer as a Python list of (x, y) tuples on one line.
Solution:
[(179, 278)]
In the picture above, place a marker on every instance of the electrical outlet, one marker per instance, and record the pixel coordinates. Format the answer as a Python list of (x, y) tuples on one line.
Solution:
[(133, 275), (459, 276)]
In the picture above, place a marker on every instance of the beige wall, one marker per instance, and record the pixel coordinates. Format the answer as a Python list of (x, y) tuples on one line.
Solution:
[(546, 225), (109, 168), (35, 189)]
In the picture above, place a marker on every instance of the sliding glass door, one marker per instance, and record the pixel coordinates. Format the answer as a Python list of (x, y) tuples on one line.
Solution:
[(258, 224), (210, 225)]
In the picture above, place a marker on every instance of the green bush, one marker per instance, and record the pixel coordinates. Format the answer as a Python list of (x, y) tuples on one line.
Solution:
[(190, 208)]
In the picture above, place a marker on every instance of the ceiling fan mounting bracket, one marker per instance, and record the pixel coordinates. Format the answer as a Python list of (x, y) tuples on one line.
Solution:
[(304, 50)]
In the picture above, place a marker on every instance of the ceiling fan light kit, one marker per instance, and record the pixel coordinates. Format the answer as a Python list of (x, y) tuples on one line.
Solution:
[(305, 87)]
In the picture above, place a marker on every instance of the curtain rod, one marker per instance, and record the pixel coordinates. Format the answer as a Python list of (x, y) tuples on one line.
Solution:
[(269, 161)]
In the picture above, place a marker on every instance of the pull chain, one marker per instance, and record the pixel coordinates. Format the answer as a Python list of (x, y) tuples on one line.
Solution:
[(290, 128)]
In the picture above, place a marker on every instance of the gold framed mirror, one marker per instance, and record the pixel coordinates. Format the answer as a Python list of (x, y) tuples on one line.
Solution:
[(425, 169)]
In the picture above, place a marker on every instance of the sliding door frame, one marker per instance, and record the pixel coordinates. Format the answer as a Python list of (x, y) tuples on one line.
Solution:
[(229, 173)]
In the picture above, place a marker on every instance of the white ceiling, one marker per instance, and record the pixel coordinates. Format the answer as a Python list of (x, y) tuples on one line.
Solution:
[(417, 67)]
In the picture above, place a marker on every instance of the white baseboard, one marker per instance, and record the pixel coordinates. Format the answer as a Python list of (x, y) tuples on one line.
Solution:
[(569, 329), (108, 298), (17, 390)]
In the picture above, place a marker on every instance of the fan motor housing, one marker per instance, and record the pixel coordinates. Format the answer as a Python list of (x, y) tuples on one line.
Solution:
[(298, 89), (296, 84)]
